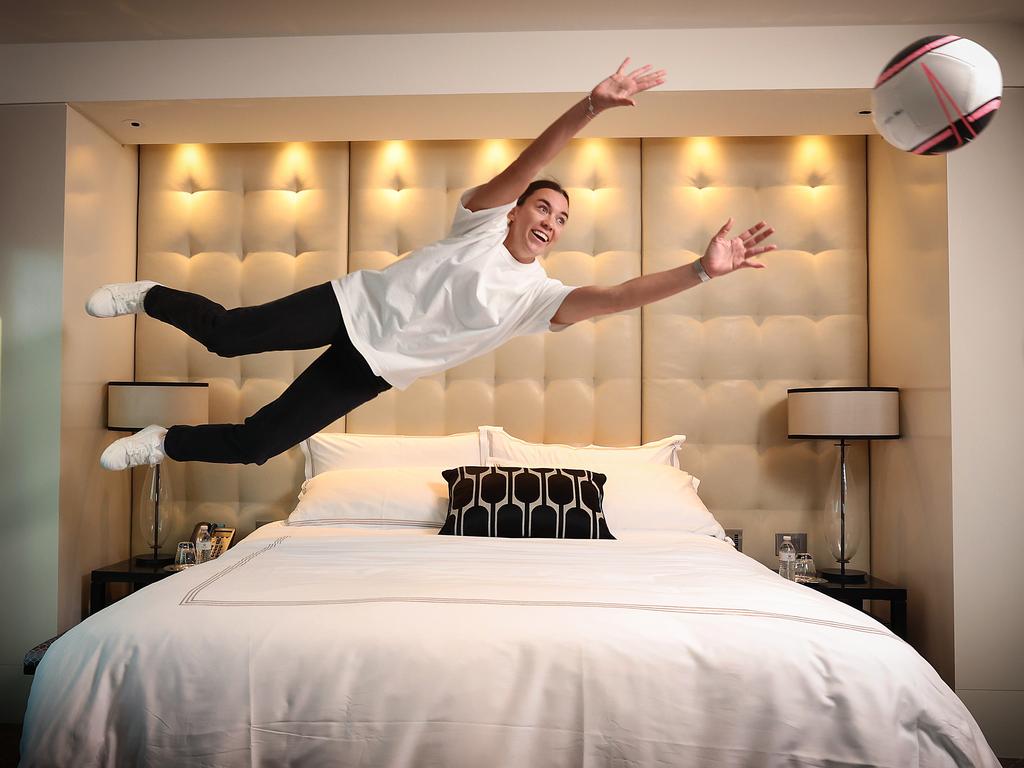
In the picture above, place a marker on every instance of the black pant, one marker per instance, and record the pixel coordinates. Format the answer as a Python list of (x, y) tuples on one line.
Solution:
[(334, 384)]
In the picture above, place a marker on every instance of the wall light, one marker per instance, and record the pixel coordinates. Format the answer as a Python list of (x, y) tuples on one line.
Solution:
[(702, 147), (812, 156), (701, 159), (395, 152), (497, 155), (595, 149), (189, 155), (293, 166)]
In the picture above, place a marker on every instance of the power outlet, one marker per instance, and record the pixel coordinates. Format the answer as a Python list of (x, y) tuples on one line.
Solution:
[(736, 534), (799, 541)]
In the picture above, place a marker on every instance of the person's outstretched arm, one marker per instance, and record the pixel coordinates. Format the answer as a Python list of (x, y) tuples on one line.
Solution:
[(723, 255), (614, 91)]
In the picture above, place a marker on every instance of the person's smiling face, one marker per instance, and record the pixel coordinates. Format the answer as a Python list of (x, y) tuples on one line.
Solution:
[(536, 225)]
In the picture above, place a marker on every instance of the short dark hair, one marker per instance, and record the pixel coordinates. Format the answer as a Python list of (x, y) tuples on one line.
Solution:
[(542, 184)]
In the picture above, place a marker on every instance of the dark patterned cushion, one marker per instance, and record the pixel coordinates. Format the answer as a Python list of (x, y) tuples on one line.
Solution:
[(525, 503), (33, 657)]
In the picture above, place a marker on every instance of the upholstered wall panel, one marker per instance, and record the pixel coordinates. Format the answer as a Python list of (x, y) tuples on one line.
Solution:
[(581, 385), (242, 225), (717, 359)]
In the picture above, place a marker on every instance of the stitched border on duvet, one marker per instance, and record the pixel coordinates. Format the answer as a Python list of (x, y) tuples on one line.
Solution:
[(192, 598)]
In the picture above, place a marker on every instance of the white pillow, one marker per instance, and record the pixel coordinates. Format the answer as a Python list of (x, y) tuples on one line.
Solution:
[(496, 443), (393, 497), (340, 450), (651, 497)]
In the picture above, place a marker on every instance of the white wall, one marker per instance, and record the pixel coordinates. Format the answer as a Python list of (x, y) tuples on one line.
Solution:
[(911, 497), (99, 247), (67, 221), (31, 244), (986, 317)]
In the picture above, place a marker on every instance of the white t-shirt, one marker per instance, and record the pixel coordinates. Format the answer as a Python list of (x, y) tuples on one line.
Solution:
[(447, 302)]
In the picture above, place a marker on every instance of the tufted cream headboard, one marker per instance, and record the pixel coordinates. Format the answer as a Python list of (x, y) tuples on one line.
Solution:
[(244, 224), (717, 360), (241, 224)]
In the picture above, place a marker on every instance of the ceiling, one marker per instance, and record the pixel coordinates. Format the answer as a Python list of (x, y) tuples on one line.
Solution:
[(53, 21)]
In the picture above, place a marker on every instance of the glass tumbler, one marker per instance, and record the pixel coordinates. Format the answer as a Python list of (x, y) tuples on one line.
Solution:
[(803, 569), (185, 555)]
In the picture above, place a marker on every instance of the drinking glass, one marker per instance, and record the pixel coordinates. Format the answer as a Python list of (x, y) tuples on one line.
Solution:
[(185, 556), (803, 569)]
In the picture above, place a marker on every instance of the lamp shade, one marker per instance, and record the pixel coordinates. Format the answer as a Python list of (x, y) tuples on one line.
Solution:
[(851, 413), (133, 405)]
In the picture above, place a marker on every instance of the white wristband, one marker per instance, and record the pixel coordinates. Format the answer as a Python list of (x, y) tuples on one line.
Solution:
[(701, 273)]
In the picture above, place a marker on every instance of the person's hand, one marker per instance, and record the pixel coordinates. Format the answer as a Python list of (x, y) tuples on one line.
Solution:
[(725, 254), (618, 89)]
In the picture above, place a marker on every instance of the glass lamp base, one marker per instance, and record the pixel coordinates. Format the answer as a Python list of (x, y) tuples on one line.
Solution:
[(850, 577), (156, 508)]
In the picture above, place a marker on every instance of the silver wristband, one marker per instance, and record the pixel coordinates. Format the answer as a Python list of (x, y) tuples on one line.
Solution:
[(701, 273), (591, 112)]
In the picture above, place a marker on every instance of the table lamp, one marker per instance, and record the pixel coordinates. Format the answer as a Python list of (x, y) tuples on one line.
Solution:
[(133, 405), (843, 414)]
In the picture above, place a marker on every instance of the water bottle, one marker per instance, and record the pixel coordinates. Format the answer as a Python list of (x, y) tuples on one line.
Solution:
[(787, 559), (204, 545)]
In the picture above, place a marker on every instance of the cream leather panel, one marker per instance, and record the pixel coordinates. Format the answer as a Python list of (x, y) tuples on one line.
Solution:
[(580, 385), (244, 224), (241, 224), (717, 359)]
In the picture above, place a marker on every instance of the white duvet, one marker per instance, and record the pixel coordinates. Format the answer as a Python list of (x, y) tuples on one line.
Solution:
[(312, 646)]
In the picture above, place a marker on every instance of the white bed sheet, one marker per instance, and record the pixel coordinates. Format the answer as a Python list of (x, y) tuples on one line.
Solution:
[(334, 646)]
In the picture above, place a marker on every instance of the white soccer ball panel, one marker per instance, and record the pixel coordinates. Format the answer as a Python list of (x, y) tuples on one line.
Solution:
[(986, 76)]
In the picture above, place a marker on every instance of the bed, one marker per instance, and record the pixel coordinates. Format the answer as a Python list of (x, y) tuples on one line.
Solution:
[(370, 640)]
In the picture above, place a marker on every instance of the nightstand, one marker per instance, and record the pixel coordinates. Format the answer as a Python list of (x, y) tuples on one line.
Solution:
[(871, 589), (125, 572)]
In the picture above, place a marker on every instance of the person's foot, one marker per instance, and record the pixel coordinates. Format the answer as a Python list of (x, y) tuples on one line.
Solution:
[(114, 299), (144, 447)]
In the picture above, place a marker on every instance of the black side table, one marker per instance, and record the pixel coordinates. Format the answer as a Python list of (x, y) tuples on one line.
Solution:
[(127, 571), (871, 589)]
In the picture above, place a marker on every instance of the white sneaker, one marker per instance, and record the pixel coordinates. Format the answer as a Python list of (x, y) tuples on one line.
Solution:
[(144, 447), (114, 299)]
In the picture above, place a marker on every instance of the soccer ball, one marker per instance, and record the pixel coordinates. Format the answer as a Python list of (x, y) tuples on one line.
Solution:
[(937, 94)]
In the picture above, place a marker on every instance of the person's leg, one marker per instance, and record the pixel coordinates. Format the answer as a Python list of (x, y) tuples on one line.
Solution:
[(304, 320), (334, 384)]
